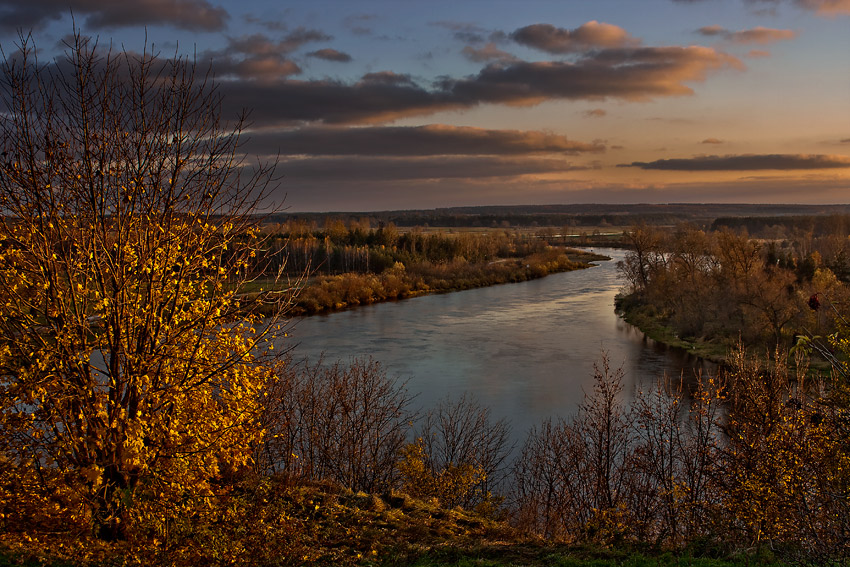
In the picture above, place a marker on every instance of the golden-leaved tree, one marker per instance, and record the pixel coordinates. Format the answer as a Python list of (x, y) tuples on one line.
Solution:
[(131, 365)]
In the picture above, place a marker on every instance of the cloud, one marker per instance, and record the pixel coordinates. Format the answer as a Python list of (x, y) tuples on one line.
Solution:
[(258, 67), (488, 53), (435, 139), (625, 74), (590, 35), (331, 55), (357, 23), (758, 53), (845, 141), (299, 37), (630, 74), (759, 35), (258, 57), (406, 168), (387, 78), (747, 162), (196, 15), (712, 141), (471, 33), (828, 8), (595, 113), (465, 32)]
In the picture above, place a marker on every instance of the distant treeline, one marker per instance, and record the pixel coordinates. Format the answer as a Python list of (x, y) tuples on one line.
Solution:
[(298, 247), (566, 215), (776, 227)]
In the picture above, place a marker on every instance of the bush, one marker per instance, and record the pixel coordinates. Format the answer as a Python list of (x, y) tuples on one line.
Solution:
[(336, 422)]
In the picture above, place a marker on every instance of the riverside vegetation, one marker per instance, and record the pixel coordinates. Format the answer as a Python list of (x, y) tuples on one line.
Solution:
[(146, 416), (357, 265), (707, 291)]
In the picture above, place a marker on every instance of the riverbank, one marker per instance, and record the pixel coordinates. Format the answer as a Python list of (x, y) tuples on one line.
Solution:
[(330, 293), (652, 324)]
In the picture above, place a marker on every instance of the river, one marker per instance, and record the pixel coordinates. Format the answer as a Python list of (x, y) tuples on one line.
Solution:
[(526, 350)]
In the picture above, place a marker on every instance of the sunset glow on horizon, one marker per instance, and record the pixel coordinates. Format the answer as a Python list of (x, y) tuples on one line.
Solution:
[(379, 104)]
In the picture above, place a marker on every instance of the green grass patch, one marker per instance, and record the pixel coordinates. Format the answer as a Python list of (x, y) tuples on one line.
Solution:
[(654, 325)]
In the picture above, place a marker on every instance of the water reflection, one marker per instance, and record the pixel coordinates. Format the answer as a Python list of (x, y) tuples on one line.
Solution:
[(527, 350)]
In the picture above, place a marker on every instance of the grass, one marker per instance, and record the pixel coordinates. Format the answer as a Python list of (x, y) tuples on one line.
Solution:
[(321, 524), (581, 556), (654, 327)]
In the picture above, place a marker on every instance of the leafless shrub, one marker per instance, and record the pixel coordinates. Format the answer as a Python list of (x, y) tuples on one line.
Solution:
[(459, 455), (571, 478), (547, 481), (677, 439), (613, 472), (337, 422)]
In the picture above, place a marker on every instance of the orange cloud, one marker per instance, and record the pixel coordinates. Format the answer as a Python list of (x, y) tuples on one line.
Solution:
[(593, 34), (487, 53), (747, 162), (827, 7)]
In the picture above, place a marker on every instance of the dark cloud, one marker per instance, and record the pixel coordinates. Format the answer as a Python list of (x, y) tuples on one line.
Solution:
[(712, 141), (595, 113), (747, 162), (387, 78), (758, 34), (271, 25), (626, 74), (436, 139), (631, 74), (464, 32), (845, 141), (331, 55), (300, 36), (591, 35), (488, 53), (197, 15), (258, 57), (258, 67), (405, 168)]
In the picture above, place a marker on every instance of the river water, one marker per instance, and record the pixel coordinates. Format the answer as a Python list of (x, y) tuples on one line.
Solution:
[(526, 350)]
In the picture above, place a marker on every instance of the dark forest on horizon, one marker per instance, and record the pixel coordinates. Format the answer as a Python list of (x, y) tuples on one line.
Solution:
[(578, 215)]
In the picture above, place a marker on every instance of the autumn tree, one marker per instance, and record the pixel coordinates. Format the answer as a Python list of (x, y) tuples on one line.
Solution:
[(647, 256), (130, 363), (458, 456)]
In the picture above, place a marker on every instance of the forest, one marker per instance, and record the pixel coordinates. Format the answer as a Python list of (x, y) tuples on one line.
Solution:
[(341, 266), (713, 289)]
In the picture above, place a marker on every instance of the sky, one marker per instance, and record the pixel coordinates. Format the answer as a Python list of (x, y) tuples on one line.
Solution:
[(399, 104)]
